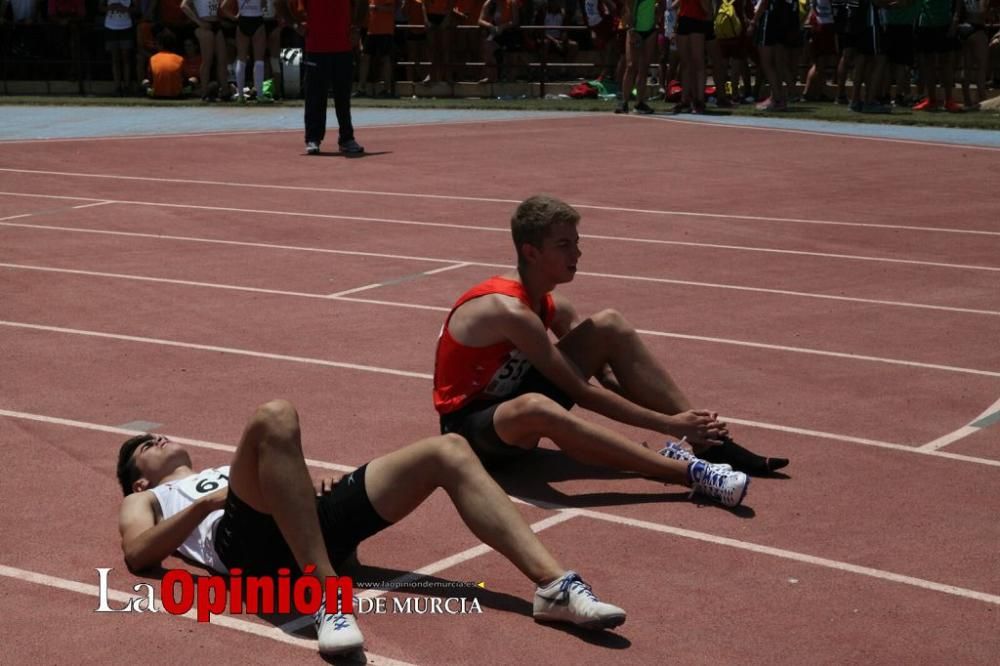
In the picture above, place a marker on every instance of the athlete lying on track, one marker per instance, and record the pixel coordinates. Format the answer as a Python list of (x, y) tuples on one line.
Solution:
[(267, 515)]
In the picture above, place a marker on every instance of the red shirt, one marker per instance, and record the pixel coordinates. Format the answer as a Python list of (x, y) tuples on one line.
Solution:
[(328, 26), (463, 374), (692, 9)]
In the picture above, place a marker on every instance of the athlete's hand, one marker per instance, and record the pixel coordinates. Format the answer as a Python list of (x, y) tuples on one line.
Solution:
[(324, 485), (699, 426), (215, 501)]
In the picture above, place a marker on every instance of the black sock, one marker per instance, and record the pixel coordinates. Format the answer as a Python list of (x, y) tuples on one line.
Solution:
[(741, 458)]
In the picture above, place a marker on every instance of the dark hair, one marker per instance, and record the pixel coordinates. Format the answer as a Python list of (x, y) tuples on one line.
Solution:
[(128, 472), (168, 42), (534, 218)]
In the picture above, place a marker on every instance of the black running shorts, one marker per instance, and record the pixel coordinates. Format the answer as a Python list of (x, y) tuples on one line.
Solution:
[(250, 540), (474, 421)]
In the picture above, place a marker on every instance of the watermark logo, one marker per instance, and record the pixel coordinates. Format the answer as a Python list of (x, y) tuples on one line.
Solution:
[(180, 592), (212, 595)]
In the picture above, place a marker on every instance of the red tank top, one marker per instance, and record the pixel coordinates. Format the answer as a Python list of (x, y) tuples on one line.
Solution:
[(463, 374)]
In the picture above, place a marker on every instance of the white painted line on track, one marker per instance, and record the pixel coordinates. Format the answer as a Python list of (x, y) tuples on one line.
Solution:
[(562, 516), (386, 283), (449, 197), (451, 261), (818, 434), (227, 621), (818, 352), (566, 513), (621, 239), (215, 348), (811, 133), (94, 204), (421, 375), (391, 371), (860, 440), (966, 430), (797, 557)]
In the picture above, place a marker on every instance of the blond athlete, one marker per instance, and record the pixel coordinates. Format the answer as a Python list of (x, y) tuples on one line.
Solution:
[(501, 382)]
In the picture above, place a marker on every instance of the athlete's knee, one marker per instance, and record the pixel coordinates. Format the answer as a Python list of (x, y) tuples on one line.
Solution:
[(612, 321), (278, 419), (535, 410), (452, 452)]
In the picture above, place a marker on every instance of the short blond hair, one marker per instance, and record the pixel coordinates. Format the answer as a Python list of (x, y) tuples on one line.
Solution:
[(534, 218)]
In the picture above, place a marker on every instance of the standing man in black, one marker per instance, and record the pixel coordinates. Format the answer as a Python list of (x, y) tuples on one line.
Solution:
[(332, 29)]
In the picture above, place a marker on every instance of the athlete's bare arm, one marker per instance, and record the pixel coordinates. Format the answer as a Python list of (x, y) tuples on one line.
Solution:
[(147, 540), (525, 330)]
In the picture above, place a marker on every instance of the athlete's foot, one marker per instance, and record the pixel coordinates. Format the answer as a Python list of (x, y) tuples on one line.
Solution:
[(338, 633), (741, 458), (569, 599)]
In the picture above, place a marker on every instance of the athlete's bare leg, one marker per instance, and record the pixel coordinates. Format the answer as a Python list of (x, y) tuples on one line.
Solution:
[(399, 482), (607, 339), (269, 473), (522, 421)]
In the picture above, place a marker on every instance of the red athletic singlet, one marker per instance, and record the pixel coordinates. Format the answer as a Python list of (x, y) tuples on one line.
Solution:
[(462, 374)]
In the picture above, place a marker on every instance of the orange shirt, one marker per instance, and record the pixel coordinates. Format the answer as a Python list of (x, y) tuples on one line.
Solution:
[(166, 69), (463, 374), (381, 17)]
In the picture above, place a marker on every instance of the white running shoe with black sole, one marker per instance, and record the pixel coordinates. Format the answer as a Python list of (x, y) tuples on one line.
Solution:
[(569, 599), (728, 487), (312, 148), (338, 633)]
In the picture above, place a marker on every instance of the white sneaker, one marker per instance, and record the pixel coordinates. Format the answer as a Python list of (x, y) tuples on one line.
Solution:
[(312, 147), (569, 599), (726, 486), (675, 451), (338, 633)]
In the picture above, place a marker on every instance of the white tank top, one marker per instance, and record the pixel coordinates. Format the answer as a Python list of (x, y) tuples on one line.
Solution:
[(116, 19), (251, 8), (176, 496), (207, 8), (592, 12)]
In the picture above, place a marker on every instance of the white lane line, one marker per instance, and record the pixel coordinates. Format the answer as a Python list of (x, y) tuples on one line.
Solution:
[(228, 621), (571, 512), (127, 432), (818, 434), (819, 352), (811, 133), (966, 430), (562, 516), (422, 375), (386, 283), (448, 197), (92, 205), (622, 239), (798, 557), (452, 261), (860, 440), (215, 348)]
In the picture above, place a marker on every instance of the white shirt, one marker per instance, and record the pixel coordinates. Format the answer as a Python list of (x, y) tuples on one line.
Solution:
[(176, 496), (118, 20)]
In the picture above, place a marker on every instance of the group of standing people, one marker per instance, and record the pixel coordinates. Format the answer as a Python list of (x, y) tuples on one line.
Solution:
[(875, 43)]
